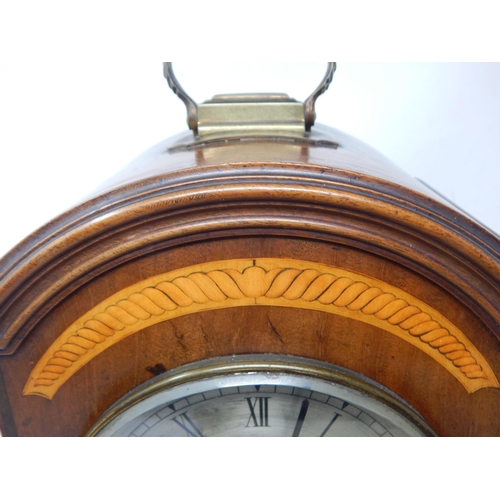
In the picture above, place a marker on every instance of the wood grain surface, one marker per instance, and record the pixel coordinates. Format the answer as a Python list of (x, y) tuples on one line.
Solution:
[(253, 212)]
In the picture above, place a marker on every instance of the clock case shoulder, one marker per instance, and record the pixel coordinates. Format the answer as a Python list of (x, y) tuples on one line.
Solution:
[(327, 186)]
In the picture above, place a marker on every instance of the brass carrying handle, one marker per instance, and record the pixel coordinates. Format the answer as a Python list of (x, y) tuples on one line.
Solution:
[(309, 103), (192, 106)]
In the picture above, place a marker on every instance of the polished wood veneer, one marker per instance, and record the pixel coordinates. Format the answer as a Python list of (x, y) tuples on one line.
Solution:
[(300, 207)]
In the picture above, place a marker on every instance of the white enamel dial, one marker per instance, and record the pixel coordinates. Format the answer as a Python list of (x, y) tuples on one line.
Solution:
[(261, 396)]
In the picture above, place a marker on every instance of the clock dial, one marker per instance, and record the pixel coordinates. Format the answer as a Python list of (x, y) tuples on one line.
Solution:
[(261, 396), (271, 410)]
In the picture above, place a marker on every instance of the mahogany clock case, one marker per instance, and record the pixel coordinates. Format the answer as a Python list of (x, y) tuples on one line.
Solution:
[(226, 210), (314, 247)]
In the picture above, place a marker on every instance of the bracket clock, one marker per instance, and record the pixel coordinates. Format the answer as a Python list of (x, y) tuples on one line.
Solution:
[(257, 275)]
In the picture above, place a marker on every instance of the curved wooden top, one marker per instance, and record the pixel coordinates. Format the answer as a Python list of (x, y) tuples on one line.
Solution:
[(324, 146), (308, 187)]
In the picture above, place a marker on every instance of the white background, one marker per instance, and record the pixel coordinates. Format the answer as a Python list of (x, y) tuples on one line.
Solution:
[(68, 126)]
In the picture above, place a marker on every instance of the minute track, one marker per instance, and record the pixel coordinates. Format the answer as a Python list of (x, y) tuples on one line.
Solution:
[(261, 402)]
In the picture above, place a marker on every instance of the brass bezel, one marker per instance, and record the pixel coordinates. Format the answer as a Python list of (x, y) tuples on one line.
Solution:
[(269, 363)]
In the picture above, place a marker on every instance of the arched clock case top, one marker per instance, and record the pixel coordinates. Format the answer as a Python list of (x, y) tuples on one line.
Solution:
[(303, 200), (96, 302), (191, 223)]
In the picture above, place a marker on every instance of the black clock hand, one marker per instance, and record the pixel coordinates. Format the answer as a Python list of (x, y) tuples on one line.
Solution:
[(330, 424), (302, 416)]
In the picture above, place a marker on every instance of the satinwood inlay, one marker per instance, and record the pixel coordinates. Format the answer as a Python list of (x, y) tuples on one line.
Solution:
[(273, 282)]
